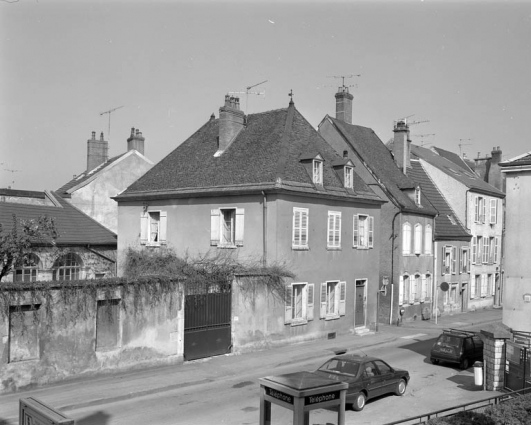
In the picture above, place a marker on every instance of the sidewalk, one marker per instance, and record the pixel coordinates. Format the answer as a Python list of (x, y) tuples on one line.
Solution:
[(105, 389)]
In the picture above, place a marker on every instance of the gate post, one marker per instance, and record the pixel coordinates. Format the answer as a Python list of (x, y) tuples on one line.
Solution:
[(494, 358)]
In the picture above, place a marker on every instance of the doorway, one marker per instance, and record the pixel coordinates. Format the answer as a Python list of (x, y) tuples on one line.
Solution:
[(361, 303)]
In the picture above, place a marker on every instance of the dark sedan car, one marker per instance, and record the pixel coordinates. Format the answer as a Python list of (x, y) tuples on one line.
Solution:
[(367, 377)]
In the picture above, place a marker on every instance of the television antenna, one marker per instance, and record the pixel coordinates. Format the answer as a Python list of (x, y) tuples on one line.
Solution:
[(463, 144), (247, 92), (343, 86), (109, 112)]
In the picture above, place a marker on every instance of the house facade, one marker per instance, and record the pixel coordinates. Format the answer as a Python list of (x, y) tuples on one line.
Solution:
[(105, 177), (479, 206), (266, 188), (517, 267), (406, 271)]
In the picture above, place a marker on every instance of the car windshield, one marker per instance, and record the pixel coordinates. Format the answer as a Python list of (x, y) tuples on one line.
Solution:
[(340, 366), (449, 340)]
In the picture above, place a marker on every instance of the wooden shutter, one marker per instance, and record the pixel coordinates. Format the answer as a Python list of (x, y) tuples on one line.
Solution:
[(144, 227), (483, 209), (304, 228), (296, 239), (371, 231), (401, 291), (496, 250), (330, 230), (476, 209), (342, 297), (474, 249), (454, 258), (239, 226), (310, 306), (356, 224), (472, 287), (214, 227), (163, 227), (323, 300), (288, 312), (493, 208), (461, 260), (443, 260)]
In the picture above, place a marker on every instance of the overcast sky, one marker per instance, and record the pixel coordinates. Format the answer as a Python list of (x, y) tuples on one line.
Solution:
[(465, 67)]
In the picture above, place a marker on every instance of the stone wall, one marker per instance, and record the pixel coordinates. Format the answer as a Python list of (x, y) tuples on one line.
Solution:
[(494, 359)]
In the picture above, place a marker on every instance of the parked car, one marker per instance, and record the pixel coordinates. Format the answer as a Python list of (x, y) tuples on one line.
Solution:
[(457, 346), (367, 377)]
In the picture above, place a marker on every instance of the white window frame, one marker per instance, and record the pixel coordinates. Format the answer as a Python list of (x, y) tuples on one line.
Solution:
[(485, 251), (418, 239), (479, 209), (406, 238), (307, 295), (333, 239), (496, 240), (426, 286), (493, 210), (349, 177), (146, 234), (416, 289), (446, 259), (454, 260), (28, 270), (216, 227), (317, 171), (363, 233), (484, 286), (406, 288), (301, 218), (428, 239), (333, 298), (464, 260), (479, 250)]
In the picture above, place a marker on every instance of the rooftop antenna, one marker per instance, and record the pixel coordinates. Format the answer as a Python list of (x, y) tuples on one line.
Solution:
[(461, 145), (247, 92), (343, 86), (405, 121), (109, 112)]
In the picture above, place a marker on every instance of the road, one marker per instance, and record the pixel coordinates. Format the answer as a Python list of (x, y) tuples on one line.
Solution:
[(236, 399)]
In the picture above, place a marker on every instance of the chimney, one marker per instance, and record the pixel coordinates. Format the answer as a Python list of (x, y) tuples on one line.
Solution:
[(231, 122), (495, 177), (401, 145), (136, 141), (344, 105), (97, 151), (496, 155)]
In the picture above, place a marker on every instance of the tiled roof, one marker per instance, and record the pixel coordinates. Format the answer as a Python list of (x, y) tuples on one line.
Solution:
[(451, 156), (84, 176), (379, 159), (266, 154), (464, 176), (444, 228), (73, 226), (524, 159)]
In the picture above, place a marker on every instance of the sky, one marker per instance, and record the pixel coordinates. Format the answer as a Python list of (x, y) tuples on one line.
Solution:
[(462, 69)]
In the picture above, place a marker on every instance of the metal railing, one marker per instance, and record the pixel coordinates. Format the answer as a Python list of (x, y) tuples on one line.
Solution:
[(477, 406)]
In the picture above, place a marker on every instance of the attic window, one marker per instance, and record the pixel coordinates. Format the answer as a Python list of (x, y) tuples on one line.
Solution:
[(349, 177), (452, 220), (417, 195), (317, 171)]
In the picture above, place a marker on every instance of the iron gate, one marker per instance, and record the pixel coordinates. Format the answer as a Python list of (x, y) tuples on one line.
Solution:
[(517, 366), (207, 325)]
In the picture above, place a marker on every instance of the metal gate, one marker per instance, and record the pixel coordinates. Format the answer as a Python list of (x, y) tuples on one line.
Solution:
[(207, 325), (517, 366)]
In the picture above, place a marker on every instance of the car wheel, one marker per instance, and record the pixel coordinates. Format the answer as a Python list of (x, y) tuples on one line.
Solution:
[(464, 364), (359, 402), (435, 361), (401, 387)]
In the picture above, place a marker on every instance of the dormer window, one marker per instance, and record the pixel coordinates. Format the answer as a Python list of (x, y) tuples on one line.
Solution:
[(349, 177), (417, 195), (317, 171)]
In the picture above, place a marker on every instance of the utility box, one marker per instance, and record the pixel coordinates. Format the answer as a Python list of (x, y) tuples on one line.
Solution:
[(35, 412)]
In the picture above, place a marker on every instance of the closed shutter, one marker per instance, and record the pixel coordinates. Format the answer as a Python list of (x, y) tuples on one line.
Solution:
[(309, 310), (474, 249), (304, 228), (323, 300), (214, 227), (163, 227), (443, 260), (476, 209), (239, 226), (288, 308), (342, 297), (496, 250), (461, 260), (483, 205), (493, 208), (454, 258), (401, 291), (144, 226), (371, 231), (355, 239)]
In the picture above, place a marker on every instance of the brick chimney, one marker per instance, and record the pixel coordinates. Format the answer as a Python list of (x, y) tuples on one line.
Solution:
[(97, 151), (344, 105), (136, 141), (231, 122), (495, 177), (401, 145)]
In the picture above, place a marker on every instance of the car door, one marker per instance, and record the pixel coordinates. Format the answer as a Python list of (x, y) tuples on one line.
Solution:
[(387, 377), (372, 380)]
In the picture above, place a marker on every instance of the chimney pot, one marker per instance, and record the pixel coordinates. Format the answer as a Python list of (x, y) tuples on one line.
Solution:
[(132, 131), (101, 136), (93, 135)]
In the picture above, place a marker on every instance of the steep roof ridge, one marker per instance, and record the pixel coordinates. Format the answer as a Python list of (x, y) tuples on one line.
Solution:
[(284, 143)]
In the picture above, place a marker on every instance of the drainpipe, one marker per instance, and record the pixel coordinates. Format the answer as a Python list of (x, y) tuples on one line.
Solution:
[(392, 267), (264, 221)]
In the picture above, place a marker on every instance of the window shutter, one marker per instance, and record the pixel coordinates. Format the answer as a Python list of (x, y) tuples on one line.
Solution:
[(296, 231), (239, 226), (338, 229), (474, 249), (492, 285), (371, 231), (468, 261), (443, 260), (330, 229), (309, 310), (305, 217), (288, 309), (454, 258), (473, 288), (476, 209), (401, 291), (355, 239), (342, 297), (483, 285), (485, 250), (323, 300), (483, 209), (461, 260), (495, 250), (144, 226), (493, 205), (214, 227), (163, 227)]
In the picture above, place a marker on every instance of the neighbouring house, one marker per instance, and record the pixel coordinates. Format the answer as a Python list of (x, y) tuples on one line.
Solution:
[(407, 223), (92, 190), (479, 207), (263, 187), (84, 248), (517, 267)]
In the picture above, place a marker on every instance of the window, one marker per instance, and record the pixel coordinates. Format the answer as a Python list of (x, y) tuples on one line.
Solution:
[(446, 260), (491, 250), (454, 259), (495, 250), (300, 228), (299, 303), (479, 209), (28, 271), (334, 230), (317, 171), (108, 324), (464, 260), (479, 245), (485, 256), (493, 211), (404, 290), (67, 267), (418, 239), (333, 296), (226, 227), (426, 287), (363, 231), (417, 195), (484, 285), (383, 367), (23, 333), (474, 250), (490, 284), (475, 287), (349, 177), (406, 239), (428, 239), (416, 286), (153, 228)]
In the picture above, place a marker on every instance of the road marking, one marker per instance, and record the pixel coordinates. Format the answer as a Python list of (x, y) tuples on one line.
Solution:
[(413, 336)]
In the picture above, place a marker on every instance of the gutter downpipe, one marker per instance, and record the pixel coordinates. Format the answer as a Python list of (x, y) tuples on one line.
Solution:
[(264, 229), (392, 267)]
